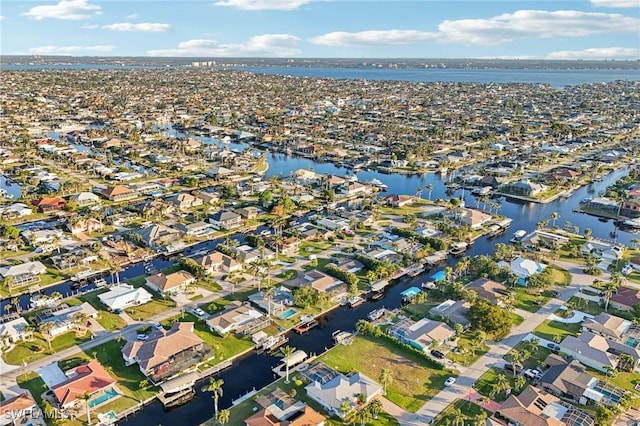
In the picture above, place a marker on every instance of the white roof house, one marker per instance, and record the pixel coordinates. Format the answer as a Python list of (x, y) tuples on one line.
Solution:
[(14, 330), (341, 389), (31, 268), (125, 295)]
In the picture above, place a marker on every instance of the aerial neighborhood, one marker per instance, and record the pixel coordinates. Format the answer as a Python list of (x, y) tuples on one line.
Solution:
[(442, 253)]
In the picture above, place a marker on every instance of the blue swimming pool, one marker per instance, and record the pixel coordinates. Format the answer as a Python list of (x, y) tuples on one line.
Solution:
[(103, 398), (632, 341), (288, 314)]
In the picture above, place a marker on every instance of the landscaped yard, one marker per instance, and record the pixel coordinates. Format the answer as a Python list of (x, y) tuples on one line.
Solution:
[(470, 411), (32, 382), (584, 305), (484, 384), (526, 300), (413, 382), (108, 320), (550, 329), (536, 358), (623, 380), (464, 357), (149, 309), (38, 348), (313, 247)]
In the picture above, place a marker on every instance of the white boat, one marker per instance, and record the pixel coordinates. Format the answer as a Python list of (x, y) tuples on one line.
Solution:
[(375, 314), (634, 223), (38, 301), (458, 248), (378, 183), (83, 274), (355, 301), (518, 235)]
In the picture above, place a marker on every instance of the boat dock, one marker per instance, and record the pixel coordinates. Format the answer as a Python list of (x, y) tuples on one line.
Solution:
[(271, 343), (342, 337), (305, 325)]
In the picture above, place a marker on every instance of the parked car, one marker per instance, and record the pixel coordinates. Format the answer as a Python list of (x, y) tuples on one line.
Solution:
[(555, 293), (199, 312), (158, 326), (437, 354), (143, 337), (509, 367), (450, 381), (532, 374)]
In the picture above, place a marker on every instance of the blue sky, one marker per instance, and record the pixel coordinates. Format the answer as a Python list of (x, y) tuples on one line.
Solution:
[(560, 29)]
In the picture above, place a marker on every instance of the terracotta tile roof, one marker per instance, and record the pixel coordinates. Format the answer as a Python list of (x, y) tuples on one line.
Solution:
[(18, 403), (167, 282), (48, 201), (116, 190), (90, 377)]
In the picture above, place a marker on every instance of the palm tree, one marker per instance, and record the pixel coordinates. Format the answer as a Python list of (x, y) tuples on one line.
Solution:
[(385, 378), (533, 344), (375, 407), (429, 189), (363, 417), (554, 216), (480, 419), (457, 417), (516, 358), (502, 382), (8, 282), (215, 387), (520, 382), (345, 409), (45, 329), (609, 288), (223, 416), (287, 351), (86, 396)]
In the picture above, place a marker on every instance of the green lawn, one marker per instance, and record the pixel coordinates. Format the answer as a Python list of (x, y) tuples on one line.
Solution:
[(413, 382), (485, 383), (34, 384), (584, 305), (525, 300), (288, 274), (313, 247), (38, 348), (549, 329), (536, 359), (108, 320), (470, 410), (418, 311), (560, 276), (149, 309), (464, 358), (622, 380)]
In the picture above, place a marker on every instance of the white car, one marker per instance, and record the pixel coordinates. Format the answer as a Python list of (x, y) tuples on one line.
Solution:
[(450, 381), (199, 312), (143, 337)]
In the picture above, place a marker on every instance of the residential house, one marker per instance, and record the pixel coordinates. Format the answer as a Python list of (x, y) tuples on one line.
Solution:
[(218, 262), (83, 199), (24, 273), (234, 318), (118, 193), (306, 177), (184, 201), (20, 409), (539, 238), (166, 353), (398, 200), (40, 236), (247, 254), (13, 330), (226, 220), (249, 212), (91, 378), (452, 310), (342, 389), (525, 188), (596, 351), (287, 246), (333, 223), (607, 325), (276, 302), (280, 409), (175, 281), (15, 211), (534, 407), (64, 319), (348, 264), (421, 334), (85, 225), (124, 295), (209, 197), (196, 229), (624, 299), (603, 204), (630, 208), (603, 250), (50, 204), (353, 188), (474, 218), (487, 289), (157, 235), (570, 380), (523, 268), (323, 282)]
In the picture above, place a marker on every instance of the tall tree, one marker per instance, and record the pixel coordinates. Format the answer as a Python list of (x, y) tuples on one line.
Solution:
[(215, 387), (287, 351), (223, 416), (385, 378), (86, 396)]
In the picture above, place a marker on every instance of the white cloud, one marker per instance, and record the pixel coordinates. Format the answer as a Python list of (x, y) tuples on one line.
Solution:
[(375, 38), (615, 3), (536, 24), (596, 53), (262, 4), (69, 50), (89, 26), (132, 16), (143, 27), (1, 17), (262, 45), (72, 10)]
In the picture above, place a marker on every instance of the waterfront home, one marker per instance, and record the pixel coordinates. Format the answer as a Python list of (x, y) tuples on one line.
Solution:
[(625, 298), (65, 318), (235, 318), (474, 218), (452, 310), (596, 351), (247, 254), (487, 289), (353, 188), (539, 238), (157, 235), (196, 229), (340, 389), (603, 204), (225, 220), (91, 378), (421, 334), (175, 281), (279, 300), (218, 262), (525, 188), (16, 210), (569, 379), (608, 326), (395, 200), (305, 177), (603, 250), (118, 193), (72, 258), (50, 204), (630, 208), (287, 246), (21, 409), (348, 264), (322, 282), (167, 352), (534, 407), (13, 330), (24, 273), (83, 199), (40, 236), (123, 296), (84, 225), (249, 212), (523, 268), (281, 409)]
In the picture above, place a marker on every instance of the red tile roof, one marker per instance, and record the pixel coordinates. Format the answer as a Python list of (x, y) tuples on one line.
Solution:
[(90, 377)]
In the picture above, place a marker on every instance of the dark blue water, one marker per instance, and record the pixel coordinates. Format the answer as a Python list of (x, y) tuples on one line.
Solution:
[(553, 77)]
